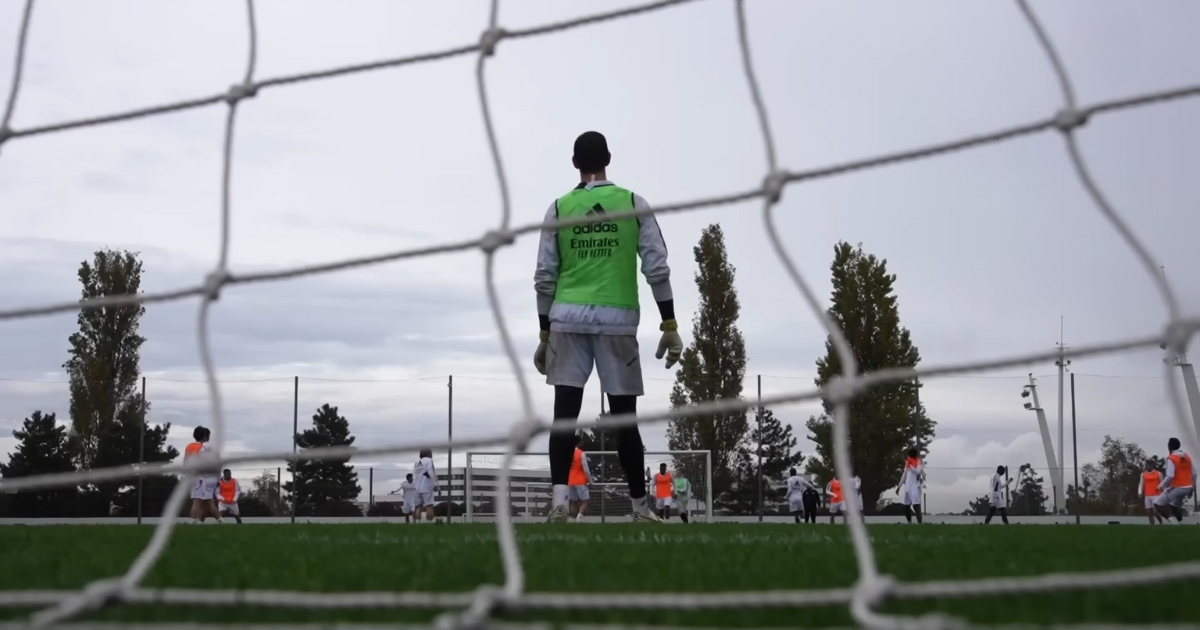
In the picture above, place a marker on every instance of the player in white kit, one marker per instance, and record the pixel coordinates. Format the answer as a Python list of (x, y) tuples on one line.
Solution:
[(425, 479), (911, 480), (996, 497), (795, 494), (408, 491)]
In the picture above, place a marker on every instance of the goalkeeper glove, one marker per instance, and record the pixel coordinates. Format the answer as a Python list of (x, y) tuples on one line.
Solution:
[(539, 355), (670, 343)]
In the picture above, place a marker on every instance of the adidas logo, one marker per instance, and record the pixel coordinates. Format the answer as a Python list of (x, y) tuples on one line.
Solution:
[(595, 228)]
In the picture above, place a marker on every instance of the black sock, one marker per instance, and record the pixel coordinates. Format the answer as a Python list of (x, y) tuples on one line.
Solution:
[(908, 514), (917, 511), (991, 513), (1178, 513), (630, 451), (1004, 515), (567, 403), (683, 517)]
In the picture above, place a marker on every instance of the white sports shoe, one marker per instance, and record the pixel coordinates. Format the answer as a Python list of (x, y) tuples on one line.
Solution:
[(558, 515), (646, 516)]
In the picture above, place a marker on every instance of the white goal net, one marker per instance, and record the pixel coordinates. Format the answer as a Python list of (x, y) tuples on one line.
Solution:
[(865, 599), (529, 485)]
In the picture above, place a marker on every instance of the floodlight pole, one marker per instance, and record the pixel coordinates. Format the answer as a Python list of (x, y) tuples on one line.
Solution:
[(1047, 443), (603, 494), (1062, 363), (450, 448)]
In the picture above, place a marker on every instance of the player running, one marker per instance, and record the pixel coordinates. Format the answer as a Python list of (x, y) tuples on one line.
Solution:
[(577, 482), (664, 486), (683, 495), (426, 484), (228, 492), (910, 484), (996, 498), (588, 312), (1178, 483), (1148, 485), (204, 488), (796, 487), (408, 499)]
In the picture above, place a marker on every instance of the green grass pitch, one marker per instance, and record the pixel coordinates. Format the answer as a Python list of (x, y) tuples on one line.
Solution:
[(612, 557)]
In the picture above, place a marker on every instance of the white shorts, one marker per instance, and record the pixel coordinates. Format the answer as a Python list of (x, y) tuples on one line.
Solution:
[(796, 504), (836, 508), (229, 508), (664, 502), (1173, 497), (570, 356), (1150, 502), (996, 500), (578, 493), (204, 488), (911, 495), (407, 507), (424, 499), (681, 506)]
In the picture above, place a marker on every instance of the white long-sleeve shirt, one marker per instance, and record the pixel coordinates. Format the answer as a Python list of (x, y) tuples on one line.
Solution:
[(424, 475), (408, 491), (1170, 472), (796, 485), (592, 319)]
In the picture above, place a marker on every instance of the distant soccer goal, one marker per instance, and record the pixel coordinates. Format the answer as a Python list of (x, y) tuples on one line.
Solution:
[(530, 488)]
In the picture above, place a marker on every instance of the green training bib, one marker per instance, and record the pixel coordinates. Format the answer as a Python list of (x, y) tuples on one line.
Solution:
[(598, 262)]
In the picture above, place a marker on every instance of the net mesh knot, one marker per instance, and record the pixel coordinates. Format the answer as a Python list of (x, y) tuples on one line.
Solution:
[(5, 133), (773, 185), (1070, 118), (239, 91), (213, 283), (488, 40), (844, 389), (1177, 336), (495, 239), (523, 430)]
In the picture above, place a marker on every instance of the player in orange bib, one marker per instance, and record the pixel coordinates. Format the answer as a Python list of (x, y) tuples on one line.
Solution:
[(204, 488), (577, 482), (1178, 483), (837, 503), (228, 491), (664, 487), (1148, 486)]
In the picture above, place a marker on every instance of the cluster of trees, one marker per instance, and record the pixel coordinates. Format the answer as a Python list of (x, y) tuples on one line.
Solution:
[(884, 422), (108, 426)]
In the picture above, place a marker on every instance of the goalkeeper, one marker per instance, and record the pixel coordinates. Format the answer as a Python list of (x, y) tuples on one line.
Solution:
[(588, 312)]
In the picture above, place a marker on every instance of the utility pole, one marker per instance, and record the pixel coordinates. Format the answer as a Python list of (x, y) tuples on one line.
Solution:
[(450, 451), (141, 450), (295, 432), (758, 446), (1074, 443), (1062, 363), (603, 478)]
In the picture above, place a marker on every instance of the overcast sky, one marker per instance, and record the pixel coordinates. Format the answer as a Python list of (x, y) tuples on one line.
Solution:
[(991, 246)]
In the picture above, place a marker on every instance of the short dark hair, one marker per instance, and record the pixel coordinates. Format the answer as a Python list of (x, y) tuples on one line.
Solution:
[(912, 452), (227, 472), (1000, 470), (591, 152), (793, 471), (1173, 444), (661, 466), (198, 433), (1150, 464), (408, 476), (425, 452)]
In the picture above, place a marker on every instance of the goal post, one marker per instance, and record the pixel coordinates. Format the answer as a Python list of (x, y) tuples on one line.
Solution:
[(530, 488)]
